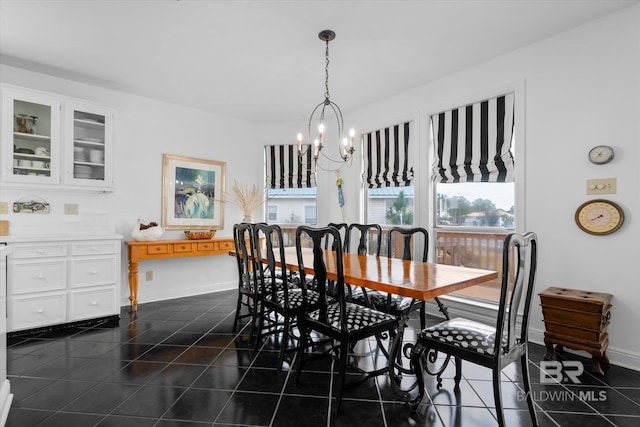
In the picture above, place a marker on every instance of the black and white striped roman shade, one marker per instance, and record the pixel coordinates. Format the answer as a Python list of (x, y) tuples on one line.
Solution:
[(473, 143), (283, 169), (387, 159)]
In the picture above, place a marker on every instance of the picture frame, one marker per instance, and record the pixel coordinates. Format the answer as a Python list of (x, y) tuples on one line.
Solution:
[(192, 193)]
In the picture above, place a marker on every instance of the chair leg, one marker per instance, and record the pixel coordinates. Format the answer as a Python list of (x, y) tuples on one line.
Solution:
[(238, 308), (524, 361), (301, 348), (458, 376), (285, 340), (344, 352), (260, 320), (418, 367), (497, 395), (423, 316)]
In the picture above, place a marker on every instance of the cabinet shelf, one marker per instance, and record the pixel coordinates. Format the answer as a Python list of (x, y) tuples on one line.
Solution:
[(89, 164), (85, 143), (31, 137), (88, 124), (31, 156)]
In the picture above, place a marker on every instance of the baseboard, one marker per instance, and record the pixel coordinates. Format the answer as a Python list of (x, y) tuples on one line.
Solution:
[(153, 295), (486, 313), (6, 397)]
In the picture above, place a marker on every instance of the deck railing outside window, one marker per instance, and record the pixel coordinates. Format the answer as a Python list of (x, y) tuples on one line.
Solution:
[(474, 250)]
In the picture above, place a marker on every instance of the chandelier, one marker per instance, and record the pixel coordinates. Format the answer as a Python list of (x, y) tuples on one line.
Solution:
[(319, 130)]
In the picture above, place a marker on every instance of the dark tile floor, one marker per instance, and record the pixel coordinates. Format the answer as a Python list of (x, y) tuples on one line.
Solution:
[(179, 364)]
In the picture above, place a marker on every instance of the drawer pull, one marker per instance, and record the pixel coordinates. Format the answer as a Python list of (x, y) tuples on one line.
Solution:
[(40, 276), (39, 251), (94, 272), (41, 310), (94, 249), (94, 303)]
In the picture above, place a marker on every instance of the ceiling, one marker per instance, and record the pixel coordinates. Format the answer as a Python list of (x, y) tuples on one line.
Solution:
[(262, 60)]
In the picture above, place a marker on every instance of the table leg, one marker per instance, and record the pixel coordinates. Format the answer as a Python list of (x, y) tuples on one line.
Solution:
[(133, 285)]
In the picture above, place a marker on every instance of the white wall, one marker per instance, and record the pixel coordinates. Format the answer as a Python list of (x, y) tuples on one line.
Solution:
[(582, 89), (144, 130)]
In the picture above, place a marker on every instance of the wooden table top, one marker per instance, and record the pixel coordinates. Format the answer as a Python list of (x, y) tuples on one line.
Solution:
[(415, 279)]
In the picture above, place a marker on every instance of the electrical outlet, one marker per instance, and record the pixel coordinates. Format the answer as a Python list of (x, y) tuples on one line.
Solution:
[(601, 186), (149, 276), (4, 208), (71, 209)]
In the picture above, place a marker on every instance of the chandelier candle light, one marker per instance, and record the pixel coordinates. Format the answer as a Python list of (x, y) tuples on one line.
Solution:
[(318, 115)]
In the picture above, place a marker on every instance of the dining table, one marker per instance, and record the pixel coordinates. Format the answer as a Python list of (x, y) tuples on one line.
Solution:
[(419, 280)]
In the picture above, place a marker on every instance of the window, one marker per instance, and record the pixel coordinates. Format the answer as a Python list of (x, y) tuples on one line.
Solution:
[(473, 175), (295, 206), (475, 204), (390, 206), (291, 190), (272, 213), (310, 214), (388, 175)]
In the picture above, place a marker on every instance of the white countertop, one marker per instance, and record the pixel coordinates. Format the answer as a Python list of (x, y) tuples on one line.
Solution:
[(60, 237)]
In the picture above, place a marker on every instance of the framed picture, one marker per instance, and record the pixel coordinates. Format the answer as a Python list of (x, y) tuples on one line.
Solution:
[(192, 193)]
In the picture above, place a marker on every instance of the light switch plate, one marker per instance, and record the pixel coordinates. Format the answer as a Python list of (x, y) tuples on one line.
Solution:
[(71, 209), (4, 208), (601, 186)]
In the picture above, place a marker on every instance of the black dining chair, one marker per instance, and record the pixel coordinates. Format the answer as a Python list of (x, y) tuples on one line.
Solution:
[(280, 297), (493, 346), (363, 239), (248, 289), (404, 238), (343, 322)]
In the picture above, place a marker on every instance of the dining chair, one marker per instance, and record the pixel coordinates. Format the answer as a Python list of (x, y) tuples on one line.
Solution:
[(341, 321), (493, 346), (248, 290), (404, 238), (279, 295), (362, 239), (342, 228)]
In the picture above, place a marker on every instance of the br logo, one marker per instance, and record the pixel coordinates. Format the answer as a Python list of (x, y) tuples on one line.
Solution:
[(553, 371)]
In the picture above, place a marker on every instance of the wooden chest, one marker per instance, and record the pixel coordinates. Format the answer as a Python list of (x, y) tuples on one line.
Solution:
[(576, 319)]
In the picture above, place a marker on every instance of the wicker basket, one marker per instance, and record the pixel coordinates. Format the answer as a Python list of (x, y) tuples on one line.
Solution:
[(200, 235)]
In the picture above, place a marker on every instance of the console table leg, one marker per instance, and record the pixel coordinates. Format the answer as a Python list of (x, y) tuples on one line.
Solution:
[(596, 368), (549, 354), (133, 285)]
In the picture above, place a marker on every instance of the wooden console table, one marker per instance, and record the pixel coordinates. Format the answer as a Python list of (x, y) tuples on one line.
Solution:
[(158, 249)]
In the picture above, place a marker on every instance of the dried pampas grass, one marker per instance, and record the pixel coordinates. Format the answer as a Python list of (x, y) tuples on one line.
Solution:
[(247, 197)]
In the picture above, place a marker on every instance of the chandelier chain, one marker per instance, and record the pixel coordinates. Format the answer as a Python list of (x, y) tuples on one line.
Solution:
[(326, 74)]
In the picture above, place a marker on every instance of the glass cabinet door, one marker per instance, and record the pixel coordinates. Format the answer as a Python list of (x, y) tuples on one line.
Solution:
[(89, 154), (31, 148)]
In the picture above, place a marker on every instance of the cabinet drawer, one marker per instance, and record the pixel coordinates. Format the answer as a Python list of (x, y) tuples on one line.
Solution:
[(160, 248), (39, 251), (96, 271), (93, 303), (182, 247), (205, 247), (94, 248), (225, 245), (36, 276), (26, 313)]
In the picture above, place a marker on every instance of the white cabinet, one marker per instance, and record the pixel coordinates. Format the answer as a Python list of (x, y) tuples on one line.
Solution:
[(89, 156), (31, 137), (49, 139), (63, 281)]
